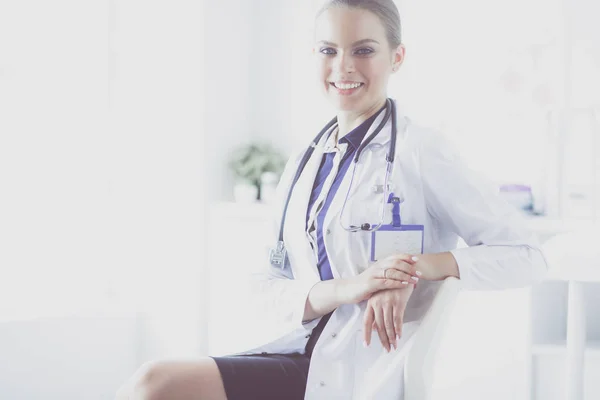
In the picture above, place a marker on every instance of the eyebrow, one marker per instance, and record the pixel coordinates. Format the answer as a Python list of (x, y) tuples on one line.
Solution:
[(358, 43)]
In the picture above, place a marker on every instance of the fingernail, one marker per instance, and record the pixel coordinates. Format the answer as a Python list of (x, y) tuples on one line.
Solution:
[(365, 344), (414, 278), (415, 258), (397, 338), (419, 273), (404, 283)]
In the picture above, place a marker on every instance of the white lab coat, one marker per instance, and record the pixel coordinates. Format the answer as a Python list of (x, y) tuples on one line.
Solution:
[(439, 192)]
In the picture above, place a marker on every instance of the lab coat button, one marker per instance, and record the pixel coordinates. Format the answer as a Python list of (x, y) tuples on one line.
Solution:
[(322, 383), (333, 335), (307, 336), (329, 231)]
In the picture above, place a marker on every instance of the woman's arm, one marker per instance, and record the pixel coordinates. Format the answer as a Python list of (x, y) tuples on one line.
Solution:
[(394, 272), (322, 299), (503, 253)]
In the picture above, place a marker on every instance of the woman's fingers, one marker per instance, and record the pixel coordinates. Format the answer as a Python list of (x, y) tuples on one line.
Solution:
[(380, 322), (385, 284), (397, 316), (400, 257), (402, 265), (396, 275), (369, 320), (388, 314)]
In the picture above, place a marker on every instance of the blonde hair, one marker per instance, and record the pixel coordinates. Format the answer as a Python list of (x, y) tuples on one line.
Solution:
[(386, 10)]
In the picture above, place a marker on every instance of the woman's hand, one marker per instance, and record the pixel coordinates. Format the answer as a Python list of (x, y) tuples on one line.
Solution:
[(394, 272), (385, 312)]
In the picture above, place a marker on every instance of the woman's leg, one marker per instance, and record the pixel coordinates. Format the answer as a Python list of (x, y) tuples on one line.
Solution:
[(175, 380)]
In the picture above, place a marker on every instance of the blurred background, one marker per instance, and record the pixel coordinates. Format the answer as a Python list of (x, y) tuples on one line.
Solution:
[(141, 142)]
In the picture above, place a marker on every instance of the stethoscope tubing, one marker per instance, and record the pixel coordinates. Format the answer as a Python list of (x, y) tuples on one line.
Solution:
[(390, 112)]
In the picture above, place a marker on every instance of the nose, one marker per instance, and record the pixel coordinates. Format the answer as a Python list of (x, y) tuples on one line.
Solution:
[(345, 63)]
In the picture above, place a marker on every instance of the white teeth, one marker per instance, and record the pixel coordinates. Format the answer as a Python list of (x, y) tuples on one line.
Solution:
[(346, 86)]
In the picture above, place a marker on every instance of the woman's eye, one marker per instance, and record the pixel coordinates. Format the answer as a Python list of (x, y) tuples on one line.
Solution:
[(327, 50), (364, 51)]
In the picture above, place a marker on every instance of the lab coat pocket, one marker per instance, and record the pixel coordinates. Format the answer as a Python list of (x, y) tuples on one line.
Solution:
[(366, 209), (382, 374), (361, 362), (367, 360)]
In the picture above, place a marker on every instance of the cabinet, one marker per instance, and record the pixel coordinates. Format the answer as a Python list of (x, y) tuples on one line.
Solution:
[(564, 338), (238, 246), (553, 303)]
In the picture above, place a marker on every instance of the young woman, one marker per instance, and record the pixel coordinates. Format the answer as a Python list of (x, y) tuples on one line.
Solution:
[(376, 204)]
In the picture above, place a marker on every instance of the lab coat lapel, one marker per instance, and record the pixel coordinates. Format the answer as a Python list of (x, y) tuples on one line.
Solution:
[(295, 224)]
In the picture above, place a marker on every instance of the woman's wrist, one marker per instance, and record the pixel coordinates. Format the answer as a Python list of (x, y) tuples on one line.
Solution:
[(341, 293), (323, 298), (437, 266)]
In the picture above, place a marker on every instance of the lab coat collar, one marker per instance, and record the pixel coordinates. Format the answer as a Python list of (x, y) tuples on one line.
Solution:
[(385, 135), (357, 136)]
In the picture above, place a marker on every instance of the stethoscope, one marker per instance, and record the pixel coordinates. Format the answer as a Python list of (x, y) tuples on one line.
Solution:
[(277, 255)]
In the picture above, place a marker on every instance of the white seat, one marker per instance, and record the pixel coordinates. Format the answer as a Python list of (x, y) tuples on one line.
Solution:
[(573, 256), (419, 373)]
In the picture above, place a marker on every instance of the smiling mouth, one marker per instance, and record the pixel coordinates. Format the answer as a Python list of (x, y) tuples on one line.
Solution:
[(346, 86)]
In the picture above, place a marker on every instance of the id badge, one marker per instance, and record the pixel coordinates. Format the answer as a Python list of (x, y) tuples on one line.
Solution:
[(389, 240), (396, 238)]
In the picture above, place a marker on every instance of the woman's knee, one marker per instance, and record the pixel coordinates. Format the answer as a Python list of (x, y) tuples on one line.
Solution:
[(167, 380), (144, 384)]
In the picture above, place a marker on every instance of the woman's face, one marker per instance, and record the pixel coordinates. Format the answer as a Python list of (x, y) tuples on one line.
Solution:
[(354, 58)]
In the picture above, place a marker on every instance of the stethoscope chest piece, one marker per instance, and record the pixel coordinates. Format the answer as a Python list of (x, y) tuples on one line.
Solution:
[(278, 255)]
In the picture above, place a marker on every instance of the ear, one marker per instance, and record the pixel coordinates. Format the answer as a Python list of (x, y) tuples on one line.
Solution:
[(398, 57)]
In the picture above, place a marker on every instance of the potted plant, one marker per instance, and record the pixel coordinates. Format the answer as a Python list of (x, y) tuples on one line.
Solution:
[(249, 164)]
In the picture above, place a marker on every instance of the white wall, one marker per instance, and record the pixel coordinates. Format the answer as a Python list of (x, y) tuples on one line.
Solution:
[(451, 79), (101, 191), (271, 78), (156, 167), (249, 81), (228, 74), (53, 185)]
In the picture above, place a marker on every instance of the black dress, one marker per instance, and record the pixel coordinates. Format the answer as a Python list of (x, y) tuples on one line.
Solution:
[(268, 376)]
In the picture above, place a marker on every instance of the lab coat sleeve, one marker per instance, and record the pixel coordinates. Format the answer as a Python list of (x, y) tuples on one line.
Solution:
[(284, 298), (280, 296), (502, 253)]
